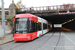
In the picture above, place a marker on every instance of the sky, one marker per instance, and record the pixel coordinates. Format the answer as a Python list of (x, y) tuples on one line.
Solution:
[(37, 3)]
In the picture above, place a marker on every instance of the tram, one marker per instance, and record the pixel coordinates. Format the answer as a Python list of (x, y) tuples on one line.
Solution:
[(28, 27)]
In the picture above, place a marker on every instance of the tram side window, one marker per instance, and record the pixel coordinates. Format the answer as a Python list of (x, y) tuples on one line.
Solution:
[(48, 26), (34, 26), (39, 26), (44, 26)]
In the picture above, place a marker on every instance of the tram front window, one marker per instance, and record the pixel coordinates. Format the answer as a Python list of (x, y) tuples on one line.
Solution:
[(21, 25)]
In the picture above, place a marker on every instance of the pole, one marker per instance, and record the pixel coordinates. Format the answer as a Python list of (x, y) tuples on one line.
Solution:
[(58, 10), (3, 16)]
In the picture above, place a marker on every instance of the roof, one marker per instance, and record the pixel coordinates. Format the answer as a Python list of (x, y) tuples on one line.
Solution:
[(24, 15)]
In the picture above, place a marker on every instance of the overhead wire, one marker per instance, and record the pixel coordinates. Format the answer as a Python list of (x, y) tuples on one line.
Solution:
[(49, 2)]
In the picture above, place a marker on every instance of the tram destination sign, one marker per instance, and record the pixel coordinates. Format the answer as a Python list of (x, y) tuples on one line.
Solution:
[(21, 19)]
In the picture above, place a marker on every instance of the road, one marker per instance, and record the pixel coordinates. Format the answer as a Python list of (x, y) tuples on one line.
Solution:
[(49, 41)]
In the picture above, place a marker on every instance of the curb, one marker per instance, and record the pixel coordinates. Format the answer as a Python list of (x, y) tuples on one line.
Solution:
[(7, 42), (8, 33)]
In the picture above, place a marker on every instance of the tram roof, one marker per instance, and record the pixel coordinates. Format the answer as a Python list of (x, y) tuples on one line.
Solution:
[(24, 15)]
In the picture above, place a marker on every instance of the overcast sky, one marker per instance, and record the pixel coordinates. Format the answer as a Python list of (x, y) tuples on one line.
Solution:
[(36, 3)]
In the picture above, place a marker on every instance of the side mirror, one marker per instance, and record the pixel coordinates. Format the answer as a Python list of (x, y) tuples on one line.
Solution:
[(13, 31)]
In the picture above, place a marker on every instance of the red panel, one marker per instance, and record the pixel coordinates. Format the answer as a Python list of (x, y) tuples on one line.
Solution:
[(23, 15), (34, 35), (14, 19), (25, 37), (68, 13), (31, 17), (40, 33), (22, 38)]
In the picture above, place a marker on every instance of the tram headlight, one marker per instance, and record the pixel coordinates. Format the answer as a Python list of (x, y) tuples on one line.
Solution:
[(24, 34)]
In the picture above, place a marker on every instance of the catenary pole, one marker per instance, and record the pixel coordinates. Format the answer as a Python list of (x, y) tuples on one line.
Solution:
[(3, 16)]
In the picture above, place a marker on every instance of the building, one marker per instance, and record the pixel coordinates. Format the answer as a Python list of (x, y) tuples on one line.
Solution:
[(11, 10)]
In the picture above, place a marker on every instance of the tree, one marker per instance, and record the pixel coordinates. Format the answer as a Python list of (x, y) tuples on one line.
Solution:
[(19, 6)]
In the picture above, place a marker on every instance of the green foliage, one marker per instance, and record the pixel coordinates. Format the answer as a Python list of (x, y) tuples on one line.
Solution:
[(19, 6), (10, 19)]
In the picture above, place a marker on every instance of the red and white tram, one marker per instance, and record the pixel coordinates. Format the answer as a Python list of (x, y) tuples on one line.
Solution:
[(28, 27)]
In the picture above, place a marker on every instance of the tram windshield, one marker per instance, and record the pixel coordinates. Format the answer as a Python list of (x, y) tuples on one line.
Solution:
[(21, 25)]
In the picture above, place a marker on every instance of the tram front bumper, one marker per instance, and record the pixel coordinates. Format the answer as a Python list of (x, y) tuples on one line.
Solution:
[(22, 38)]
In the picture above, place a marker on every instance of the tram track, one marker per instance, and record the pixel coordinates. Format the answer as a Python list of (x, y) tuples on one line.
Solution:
[(37, 47), (32, 49), (13, 44), (41, 45), (43, 42), (58, 41), (47, 40), (16, 46)]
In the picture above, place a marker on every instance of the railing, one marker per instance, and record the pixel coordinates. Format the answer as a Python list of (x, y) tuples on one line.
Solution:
[(52, 8)]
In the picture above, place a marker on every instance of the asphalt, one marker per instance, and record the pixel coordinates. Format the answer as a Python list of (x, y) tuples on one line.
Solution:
[(48, 41)]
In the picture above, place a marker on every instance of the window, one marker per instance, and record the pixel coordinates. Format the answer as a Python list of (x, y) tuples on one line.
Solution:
[(39, 26), (48, 26), (33, 26), (21, 25), (44, 26)]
